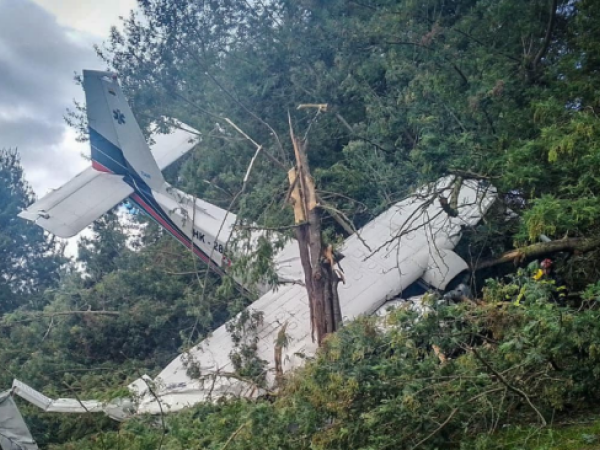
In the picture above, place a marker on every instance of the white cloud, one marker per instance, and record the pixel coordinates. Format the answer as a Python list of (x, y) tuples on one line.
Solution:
[(89, 16)]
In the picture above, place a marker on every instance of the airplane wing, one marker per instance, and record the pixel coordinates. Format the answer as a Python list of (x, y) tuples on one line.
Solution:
[(414, 239), (168, 148), (72, 207)]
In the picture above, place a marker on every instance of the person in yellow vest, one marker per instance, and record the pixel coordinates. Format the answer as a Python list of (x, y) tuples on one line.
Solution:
[(547, 273)]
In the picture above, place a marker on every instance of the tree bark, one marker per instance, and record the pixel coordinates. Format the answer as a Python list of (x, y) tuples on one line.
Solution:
[(547, 38), (541, 249), (319, 274)]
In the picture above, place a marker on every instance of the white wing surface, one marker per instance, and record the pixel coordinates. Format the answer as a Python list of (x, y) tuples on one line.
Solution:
[(168, 148), (413, 239), (72, 207)]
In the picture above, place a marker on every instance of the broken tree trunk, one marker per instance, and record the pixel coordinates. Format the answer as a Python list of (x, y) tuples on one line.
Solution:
[(320, 277)]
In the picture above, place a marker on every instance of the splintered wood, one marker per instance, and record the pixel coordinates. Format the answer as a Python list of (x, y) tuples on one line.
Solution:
[(317, 262)]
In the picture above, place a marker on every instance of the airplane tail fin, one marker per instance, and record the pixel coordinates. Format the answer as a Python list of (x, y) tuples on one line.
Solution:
[(118, 144)]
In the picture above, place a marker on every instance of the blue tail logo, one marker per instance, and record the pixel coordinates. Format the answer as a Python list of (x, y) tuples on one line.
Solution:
[(119, 116)]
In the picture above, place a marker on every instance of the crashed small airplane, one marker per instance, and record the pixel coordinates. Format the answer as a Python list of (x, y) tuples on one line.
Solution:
[(411, 242)]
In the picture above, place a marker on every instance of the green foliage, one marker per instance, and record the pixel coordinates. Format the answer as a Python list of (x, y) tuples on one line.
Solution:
[(100, 253), (161, 307), (243, 331), (371, 387), (564, 436)]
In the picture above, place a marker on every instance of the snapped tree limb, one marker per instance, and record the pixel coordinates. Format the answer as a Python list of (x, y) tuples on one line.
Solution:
[(541, 249)]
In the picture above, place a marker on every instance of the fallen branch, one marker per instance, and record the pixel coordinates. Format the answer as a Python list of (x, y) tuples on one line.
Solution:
[(234, 434), (343, 220), (437, 430), (541, 249), (338, 216), (509, 386)]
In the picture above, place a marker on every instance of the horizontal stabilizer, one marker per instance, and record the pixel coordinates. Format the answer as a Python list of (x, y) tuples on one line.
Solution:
[(168, 148), (72, 207)]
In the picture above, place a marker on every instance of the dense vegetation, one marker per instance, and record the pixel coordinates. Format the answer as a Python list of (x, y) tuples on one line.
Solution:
[(501, 90), (495, 364)]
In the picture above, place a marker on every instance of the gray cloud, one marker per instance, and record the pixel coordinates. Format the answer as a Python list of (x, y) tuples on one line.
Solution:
[(33, 132), (38, 61)]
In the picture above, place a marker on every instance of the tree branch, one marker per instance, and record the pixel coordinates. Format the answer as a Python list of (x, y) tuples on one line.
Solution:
[(234, 434), (544, 49), (437, 430), (509, 386), (541, 249), (162, 413)]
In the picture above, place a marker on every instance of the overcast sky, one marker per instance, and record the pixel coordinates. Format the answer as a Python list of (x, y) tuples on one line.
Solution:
[(43, 43)]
